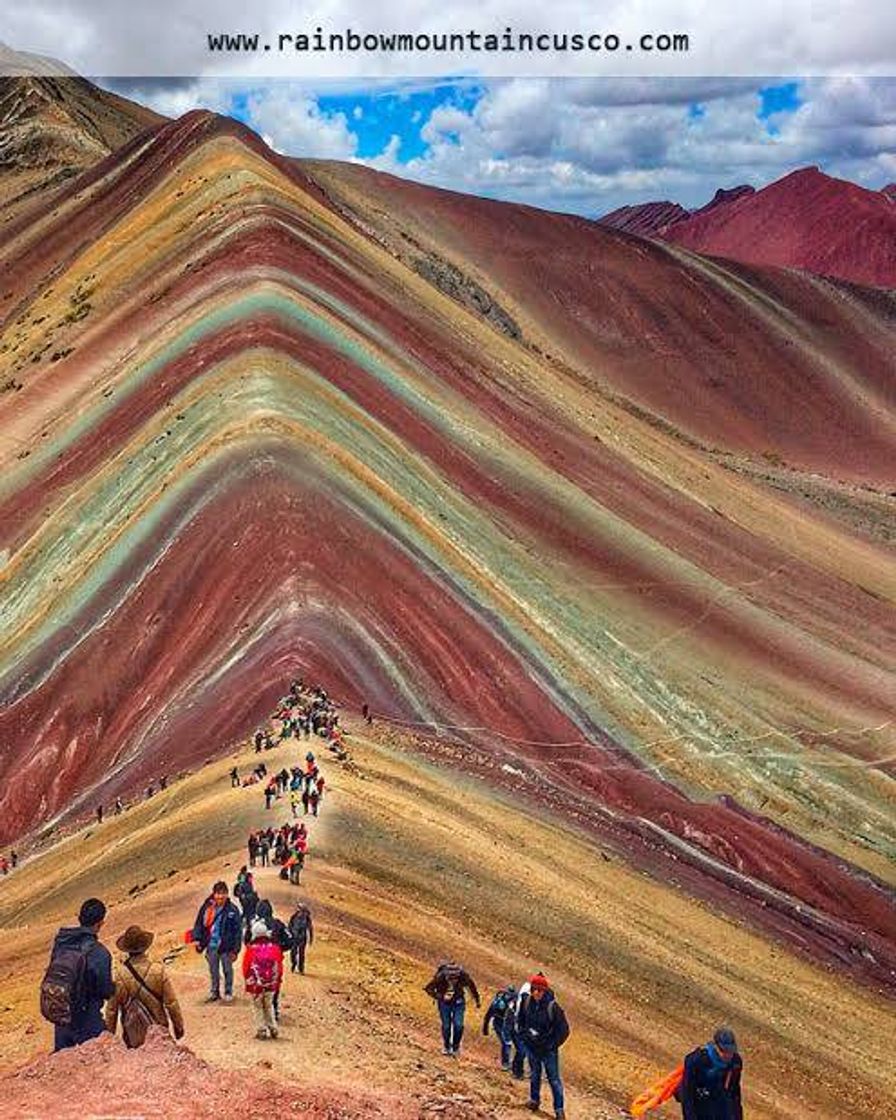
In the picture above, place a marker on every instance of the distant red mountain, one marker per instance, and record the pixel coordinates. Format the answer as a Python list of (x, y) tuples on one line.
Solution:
[(807, 220), (650, 219)]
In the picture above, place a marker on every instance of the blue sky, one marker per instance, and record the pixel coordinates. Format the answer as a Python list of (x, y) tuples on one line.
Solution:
[(581, 145)]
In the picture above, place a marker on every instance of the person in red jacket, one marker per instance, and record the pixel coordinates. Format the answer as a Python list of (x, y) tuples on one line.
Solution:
[(263, 973)]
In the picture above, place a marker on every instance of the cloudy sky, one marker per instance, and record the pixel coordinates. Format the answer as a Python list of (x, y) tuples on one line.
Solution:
[(585, 145), (631, 127)]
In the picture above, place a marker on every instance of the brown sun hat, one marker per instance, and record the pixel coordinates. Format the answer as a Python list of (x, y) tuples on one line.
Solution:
[(135, 940)]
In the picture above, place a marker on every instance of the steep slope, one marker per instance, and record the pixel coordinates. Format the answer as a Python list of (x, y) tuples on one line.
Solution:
[(463, 461), (411, 861), (806, 220), (52, 128)]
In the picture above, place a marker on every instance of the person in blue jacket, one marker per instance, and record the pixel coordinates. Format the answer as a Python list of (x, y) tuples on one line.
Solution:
[(710, 1086), (96, 984), (218, 932)]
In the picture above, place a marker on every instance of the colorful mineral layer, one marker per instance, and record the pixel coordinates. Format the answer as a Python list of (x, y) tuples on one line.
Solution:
[(593, 508)]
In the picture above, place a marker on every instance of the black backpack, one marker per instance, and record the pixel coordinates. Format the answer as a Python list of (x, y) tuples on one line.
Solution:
[(62, 988), (298, 923)]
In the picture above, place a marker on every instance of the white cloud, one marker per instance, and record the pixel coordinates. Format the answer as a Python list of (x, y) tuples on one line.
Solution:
[(593, 146)]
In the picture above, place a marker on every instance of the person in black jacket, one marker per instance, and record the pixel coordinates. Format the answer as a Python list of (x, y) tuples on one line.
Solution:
[(301, 930), (97, 984), (447, 988), (218, 932), (542, 1029), (710, 1087), (500, 1013)]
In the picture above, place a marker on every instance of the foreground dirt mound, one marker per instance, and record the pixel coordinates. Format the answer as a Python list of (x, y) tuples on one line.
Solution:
[(162, 1079)]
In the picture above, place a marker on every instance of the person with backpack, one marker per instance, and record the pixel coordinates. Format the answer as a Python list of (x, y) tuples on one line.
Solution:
[(280, 935), (263, 973), (245, 894), (542, 1028), (78, 980), (447, 988), (218, 932), (710, 1084), (144, 994), (500, 1013), (301, 930)]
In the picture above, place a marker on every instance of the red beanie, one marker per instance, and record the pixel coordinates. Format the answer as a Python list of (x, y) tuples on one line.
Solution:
[(539, 980)]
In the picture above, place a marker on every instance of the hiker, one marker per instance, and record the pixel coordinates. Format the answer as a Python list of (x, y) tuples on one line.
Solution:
[(270, 792), (252, 848), (264, 847), (14, 858), (119, 806), (263, 973), (301, 930), (447, 988), (78, 979), (542, 1026), (244, 892), (163, 782), (99, 814), (294, 802), (4, 865), (217, 932), (279, 935), (235, 778), (144, 993), (500, 1013), (710, 1085), (314, 799), (295, 865)]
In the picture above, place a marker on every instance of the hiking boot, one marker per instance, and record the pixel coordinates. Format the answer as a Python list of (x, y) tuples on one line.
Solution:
[(212, 996), (505, 1066), (559, 1114), (273, 1032), (228, 997), (262, 1033), (532, 1106), (446, 1051)]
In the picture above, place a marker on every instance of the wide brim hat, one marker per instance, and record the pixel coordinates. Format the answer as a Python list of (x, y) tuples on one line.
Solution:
[(135, 940)]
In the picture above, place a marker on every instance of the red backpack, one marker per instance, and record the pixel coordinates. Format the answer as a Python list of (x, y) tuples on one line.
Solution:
[(264, 968)]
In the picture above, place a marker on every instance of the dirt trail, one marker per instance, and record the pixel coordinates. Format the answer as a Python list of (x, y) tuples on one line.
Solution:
[(411, 860)]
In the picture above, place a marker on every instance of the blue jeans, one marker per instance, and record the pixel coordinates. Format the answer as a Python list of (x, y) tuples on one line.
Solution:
[(452, 1016), (218, 962), (505, 1036), (550, 1060)]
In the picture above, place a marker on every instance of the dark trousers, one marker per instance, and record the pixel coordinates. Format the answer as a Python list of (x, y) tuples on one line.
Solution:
[(452, 1016), (297, 953), (81, 1030), (549, 1060)]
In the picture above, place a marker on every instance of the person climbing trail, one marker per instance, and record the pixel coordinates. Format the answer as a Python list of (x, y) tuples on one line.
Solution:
[(279, 935), (235, 778), (301, 930), (710, 1084), (542, 1026), (263, 973), (217, 932), (448, 987), (245, 894), (78, 979), (144, 994), (500, 1014)]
